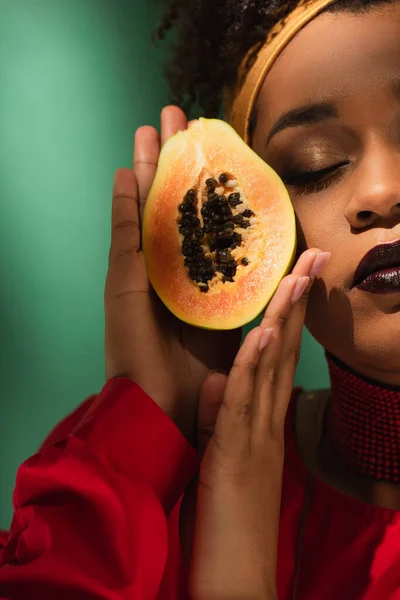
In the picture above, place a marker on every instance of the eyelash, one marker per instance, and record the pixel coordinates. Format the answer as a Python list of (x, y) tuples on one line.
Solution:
[(311, 182)]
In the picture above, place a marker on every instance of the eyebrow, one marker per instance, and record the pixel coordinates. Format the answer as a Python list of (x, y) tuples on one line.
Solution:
[(303, 115)]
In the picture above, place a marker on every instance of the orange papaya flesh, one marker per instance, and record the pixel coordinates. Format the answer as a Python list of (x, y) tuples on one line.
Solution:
[(218, 228)]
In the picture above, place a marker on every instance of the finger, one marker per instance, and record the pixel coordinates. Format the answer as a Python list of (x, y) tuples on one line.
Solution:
[(270, 368), (232, 427), (145, 161), (286, 313), (210, 400), (125, 232), (291, 340), (305, 262), (262, 427), (302, 268), (173, 119), (280, 306)]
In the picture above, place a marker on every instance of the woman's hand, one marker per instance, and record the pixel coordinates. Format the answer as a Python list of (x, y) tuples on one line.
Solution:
[(144, 341), (239, 492)]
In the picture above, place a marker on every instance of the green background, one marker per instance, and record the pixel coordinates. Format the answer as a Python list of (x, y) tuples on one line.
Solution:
[(76, 79)]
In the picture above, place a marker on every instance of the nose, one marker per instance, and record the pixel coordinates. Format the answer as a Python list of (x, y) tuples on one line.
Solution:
[(375, 201)]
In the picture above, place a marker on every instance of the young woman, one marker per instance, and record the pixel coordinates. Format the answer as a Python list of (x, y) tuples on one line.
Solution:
[(98, 510)]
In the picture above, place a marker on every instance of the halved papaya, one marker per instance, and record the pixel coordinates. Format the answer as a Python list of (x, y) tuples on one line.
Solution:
[(218, 228)]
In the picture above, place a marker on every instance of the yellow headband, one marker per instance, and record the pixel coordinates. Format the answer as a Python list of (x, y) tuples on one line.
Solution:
[(240, 104)]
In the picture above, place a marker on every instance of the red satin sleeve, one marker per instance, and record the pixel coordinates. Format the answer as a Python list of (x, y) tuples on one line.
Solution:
[(91, 508)]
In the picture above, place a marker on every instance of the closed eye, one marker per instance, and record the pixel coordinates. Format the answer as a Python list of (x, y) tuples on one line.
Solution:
[(310, 182)]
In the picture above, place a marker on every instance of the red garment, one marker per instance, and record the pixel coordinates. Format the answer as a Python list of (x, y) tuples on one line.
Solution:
[(96, 516), (93, 508), (350, 550)]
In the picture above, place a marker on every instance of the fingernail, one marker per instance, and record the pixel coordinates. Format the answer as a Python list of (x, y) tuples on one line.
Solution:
[(299, 288), (265, 337), (220, 371), (319, 263)]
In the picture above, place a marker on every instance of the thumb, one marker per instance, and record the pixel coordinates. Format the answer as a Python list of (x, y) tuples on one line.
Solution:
[(210, 400)]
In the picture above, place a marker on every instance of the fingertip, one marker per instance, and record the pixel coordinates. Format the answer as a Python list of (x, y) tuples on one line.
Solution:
[(216, 375), (173, 119), (265, 337), (289, 280), (312, 251), (219, 371), (309, 255), (305, 261), (253, 337), (320, 262), (146, 133), (171, 111), (286, 286), (145, 156), (301, 289), (214, 383)]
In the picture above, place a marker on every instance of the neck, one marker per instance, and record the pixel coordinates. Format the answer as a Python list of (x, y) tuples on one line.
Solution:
[(364, 423)]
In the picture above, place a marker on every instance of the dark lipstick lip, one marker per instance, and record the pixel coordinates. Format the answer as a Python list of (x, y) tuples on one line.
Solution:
[(380, 258), (386, 281)]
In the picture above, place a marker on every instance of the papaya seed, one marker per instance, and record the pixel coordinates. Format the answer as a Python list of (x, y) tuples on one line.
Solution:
[(199, 233), (225, 210), (225, 234), (184, 231), (234, 199), (185, 208), (216, 232)]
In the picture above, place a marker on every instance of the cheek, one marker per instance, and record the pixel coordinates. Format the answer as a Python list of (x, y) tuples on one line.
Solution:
[(318, 227), (329, 319), (314, 227)]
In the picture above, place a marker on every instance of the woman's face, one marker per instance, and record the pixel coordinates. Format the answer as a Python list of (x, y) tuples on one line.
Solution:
[(340, 78)]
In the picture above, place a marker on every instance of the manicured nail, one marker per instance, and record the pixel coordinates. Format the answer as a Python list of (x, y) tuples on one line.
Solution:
[(265, 337), (319, 263), (299, 288)]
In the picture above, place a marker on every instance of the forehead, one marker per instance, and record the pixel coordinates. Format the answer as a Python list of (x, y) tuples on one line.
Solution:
[(333, 58)]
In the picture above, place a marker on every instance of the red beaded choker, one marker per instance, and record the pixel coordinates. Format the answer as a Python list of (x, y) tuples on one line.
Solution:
[(364, 423)]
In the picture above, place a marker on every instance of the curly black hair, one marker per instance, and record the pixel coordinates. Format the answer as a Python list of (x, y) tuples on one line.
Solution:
[(211, 37)]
